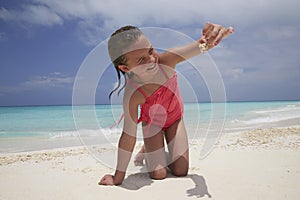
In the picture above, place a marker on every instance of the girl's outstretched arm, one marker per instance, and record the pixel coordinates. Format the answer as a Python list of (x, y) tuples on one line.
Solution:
[(212, 34)]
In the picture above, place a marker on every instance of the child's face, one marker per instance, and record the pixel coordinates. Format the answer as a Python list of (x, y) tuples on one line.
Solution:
[(141, 59)]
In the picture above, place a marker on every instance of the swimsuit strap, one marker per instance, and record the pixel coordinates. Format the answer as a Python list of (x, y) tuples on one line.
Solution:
[(138, 88)]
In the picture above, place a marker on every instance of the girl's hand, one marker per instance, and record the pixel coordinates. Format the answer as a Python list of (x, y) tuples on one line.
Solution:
[(139, 158), (107, 180), (212, 34)]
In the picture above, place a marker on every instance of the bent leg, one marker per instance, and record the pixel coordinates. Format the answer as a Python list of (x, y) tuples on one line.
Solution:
[(155, 156), (177, 141)]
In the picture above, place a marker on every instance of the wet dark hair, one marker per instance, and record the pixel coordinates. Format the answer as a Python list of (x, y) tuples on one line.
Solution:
[(118, 42)]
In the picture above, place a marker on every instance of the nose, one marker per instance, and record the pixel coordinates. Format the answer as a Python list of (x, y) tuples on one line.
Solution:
[(152, 59)]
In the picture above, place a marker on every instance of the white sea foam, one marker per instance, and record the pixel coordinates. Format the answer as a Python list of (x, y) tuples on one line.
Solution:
[(288, 108), (288, 112), (48, 127), (106, 132)]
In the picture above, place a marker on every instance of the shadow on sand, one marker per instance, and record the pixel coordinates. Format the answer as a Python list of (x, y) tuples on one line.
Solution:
[(139, 180)]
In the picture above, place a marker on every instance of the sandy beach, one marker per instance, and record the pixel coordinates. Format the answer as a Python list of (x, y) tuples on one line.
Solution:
[(257, 164)]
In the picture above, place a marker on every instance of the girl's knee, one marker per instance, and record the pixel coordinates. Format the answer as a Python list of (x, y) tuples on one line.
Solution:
[(180, 172), (159, 174), (180, 167)]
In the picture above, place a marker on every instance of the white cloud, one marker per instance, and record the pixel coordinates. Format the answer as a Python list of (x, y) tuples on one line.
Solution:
[(54, 80), (263, 51), (88, 33), (47, 81), (32, 14), (101, 16), (236, 74)]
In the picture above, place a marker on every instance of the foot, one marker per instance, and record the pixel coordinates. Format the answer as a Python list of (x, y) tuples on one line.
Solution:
[(139, 158)]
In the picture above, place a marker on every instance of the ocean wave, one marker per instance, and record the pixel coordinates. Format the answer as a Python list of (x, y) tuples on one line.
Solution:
[(288, 112), (287, 108), (107, 132)]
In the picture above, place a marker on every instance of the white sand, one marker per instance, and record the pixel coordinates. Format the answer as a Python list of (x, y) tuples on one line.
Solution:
[(259, 164)]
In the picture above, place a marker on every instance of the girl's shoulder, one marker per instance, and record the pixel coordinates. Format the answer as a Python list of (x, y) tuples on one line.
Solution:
[(133, 95)]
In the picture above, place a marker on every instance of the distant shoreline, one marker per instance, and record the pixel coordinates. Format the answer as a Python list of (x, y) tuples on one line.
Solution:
[(45, 105)]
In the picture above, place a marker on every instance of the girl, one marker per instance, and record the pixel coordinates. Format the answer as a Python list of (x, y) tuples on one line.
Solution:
[(151, 83)]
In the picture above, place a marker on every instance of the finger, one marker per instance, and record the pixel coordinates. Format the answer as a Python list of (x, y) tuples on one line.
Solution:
[(228, 31), (138, 163), (208, 27), (223, 34), (213, 35), (103, 179), (219, 37), (103, 182)]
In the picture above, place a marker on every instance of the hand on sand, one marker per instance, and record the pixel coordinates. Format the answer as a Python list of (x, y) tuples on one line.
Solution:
[(139, 159), (107, 180)]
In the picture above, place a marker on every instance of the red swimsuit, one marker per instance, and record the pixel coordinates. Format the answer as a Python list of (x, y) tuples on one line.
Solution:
[(164, 106)]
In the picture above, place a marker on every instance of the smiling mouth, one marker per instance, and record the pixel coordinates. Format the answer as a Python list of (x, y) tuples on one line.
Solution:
[(150, 68), (153, 66)]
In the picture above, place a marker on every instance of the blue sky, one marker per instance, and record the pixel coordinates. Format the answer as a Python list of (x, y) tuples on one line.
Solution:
[(44, 42)]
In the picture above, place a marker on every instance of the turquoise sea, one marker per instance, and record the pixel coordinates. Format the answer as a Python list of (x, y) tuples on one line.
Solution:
[(42, 127)]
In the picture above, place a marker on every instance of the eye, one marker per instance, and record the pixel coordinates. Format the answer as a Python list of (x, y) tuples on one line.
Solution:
[(141, 60), (150, 51)]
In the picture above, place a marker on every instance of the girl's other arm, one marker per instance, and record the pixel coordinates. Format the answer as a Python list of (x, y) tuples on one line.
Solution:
[(125, 148), (126, 142)]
